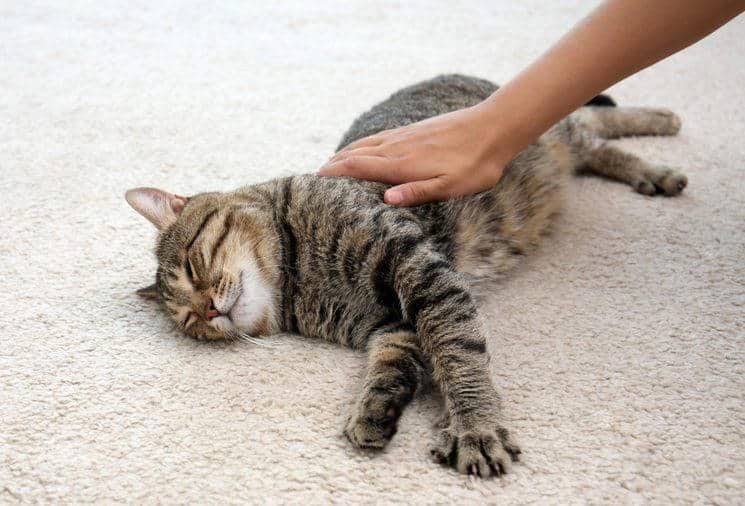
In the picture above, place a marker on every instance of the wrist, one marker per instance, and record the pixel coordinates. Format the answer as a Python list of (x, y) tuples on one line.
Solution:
[(502, 141)]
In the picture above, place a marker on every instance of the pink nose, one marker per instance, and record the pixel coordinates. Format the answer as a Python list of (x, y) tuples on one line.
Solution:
[(211, 311)]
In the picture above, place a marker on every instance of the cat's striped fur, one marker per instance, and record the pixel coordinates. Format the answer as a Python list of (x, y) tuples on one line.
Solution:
[(326, 258)]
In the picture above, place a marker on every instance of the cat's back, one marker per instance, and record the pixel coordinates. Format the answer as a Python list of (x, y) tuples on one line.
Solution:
[(316, 197), (439, 95), (485, 234)]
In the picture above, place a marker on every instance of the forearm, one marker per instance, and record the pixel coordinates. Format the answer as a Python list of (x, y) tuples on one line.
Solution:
[(617, 39), (466, 151)]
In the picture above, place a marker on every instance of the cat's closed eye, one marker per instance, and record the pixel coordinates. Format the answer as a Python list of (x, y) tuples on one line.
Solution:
[(188, 268)]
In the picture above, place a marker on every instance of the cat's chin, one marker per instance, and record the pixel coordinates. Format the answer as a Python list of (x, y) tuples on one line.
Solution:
[(253, 311)]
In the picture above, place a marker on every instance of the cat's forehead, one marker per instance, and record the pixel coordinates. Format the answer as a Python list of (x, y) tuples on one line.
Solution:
[(195, 210), (173, 241)]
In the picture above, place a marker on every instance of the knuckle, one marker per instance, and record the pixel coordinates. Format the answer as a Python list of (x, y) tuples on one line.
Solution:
[(351, 162), (413, 193), (346, 165)]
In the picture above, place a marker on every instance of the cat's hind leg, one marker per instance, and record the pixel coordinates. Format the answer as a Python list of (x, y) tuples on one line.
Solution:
[(645, 178), (617, 122), (396, 369)]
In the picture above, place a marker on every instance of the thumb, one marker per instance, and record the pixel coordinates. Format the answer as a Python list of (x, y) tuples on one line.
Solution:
[(417, 192)]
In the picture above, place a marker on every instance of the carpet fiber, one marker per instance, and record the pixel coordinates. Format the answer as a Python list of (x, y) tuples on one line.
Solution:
[(619, 347)]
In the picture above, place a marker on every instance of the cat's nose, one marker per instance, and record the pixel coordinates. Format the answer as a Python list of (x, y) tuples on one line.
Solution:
[(211, 311)]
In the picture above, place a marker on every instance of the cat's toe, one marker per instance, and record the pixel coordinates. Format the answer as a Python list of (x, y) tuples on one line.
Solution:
[(645, 187), (508, 444)]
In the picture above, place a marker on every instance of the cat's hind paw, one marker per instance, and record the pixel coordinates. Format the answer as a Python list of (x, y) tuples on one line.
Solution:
[(661, 180)]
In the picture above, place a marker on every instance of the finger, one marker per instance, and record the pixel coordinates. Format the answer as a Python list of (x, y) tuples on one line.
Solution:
[(364, 151), (371, 168), (372, 140), (417, 192)]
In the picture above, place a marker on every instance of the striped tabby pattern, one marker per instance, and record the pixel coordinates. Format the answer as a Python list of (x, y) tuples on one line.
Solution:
[(326, 258)]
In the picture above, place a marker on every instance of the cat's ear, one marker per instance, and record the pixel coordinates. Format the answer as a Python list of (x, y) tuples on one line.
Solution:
[(158, 206), (148, 292)]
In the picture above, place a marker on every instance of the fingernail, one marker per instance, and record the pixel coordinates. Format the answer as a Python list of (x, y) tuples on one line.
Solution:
[(393, 197)]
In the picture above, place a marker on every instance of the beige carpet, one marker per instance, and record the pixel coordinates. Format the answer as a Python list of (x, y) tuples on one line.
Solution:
[(619, 347)]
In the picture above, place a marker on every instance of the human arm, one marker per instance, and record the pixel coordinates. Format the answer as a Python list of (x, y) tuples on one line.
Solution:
[(466, 151)]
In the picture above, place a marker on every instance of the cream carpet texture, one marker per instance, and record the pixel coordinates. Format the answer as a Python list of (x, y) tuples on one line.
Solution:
[(619, 347)]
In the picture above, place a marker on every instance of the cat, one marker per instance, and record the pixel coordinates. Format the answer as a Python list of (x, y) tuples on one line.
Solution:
[(325, 257)]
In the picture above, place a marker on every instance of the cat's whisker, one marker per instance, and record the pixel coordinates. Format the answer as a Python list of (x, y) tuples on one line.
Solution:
[(255, 340)]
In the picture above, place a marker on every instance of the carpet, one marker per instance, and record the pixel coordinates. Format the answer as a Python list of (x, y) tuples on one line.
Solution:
[(619, 347)]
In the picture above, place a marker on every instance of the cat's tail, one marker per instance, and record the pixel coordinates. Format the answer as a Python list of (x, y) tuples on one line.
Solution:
[(602, 101)]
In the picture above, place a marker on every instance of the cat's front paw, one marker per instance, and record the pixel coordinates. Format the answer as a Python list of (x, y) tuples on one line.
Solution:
[(482, 453), (371, 430)]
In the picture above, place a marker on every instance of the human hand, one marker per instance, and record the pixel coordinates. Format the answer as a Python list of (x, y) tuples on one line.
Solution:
[(441, 157), (466, 151)]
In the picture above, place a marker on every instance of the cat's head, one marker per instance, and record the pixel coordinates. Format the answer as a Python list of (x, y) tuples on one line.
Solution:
[(216, 275)]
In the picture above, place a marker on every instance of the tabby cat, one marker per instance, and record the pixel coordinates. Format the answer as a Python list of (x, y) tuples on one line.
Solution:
[(325, 257)]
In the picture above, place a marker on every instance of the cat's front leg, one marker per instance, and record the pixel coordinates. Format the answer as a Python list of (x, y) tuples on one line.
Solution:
[(436, 299), (395, 371)]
